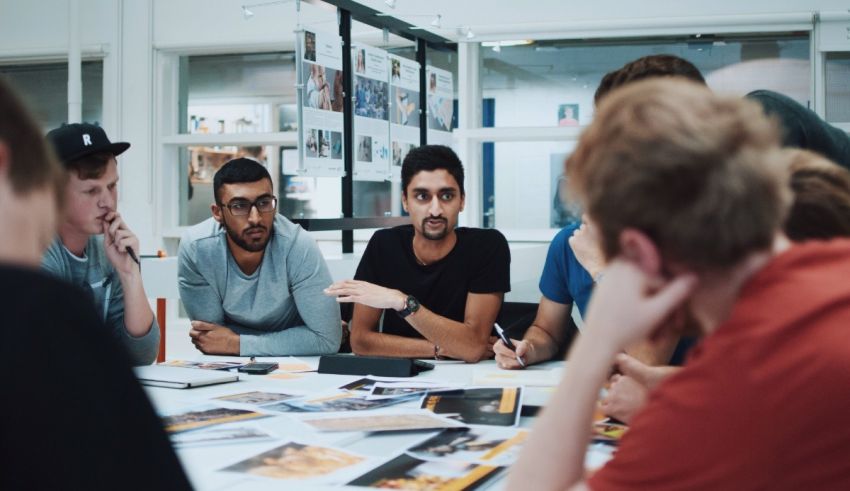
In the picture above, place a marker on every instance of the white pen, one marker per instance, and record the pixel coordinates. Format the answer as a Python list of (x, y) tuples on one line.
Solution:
[(508, 343)]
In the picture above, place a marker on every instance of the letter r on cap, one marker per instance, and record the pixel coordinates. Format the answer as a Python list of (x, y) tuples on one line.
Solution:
[(86, 139)]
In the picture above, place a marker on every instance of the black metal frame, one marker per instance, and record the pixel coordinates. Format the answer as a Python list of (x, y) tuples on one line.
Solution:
[(348, 10)]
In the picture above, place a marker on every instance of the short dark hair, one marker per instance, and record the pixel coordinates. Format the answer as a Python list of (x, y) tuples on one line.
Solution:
[(33, 163), (91, 166), (647, 67), (821, 207), (430, 158), (237, 171)]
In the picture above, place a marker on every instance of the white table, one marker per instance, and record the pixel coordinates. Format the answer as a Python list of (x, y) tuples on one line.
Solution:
[(202, 463)]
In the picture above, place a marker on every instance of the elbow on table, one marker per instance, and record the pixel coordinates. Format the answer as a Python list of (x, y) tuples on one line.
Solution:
[(475, 354)]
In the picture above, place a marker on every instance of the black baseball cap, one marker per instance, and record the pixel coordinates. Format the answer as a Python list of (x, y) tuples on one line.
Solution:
[(77, 140)]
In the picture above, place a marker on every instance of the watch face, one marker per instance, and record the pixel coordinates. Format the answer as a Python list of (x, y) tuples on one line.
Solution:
[(412, 303)]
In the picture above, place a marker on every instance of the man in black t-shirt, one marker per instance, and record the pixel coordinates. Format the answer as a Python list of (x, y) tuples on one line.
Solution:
[(440, 288)]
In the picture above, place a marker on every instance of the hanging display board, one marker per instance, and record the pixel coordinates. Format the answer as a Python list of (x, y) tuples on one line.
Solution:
[(404, 111), (371, 113), (320, 104), (440, 86)]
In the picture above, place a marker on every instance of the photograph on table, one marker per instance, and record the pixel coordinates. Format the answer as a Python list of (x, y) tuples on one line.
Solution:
[(496, 406), (297, 461), (344, 401), (407, 472), (205, 416), (371, 98), (392, 421), (405, 107), (256, 397), (205, 365), (383, 390), (219, 436), (490, 445), (608, 431), (323, 89)]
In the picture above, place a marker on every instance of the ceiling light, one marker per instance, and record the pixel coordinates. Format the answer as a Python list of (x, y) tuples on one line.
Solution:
[(469, 33), (510, 42), (390, 3), (246, 13), (438, 21), (497, 48)]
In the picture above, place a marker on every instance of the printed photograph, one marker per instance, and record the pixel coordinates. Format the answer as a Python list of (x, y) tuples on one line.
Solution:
[(380, 422), (568, 115), (311, 143), (323, 87), (206, 416), (482, 406), (309, 45), (364, 148), (371, 98), (210, 365), (336, 144), (360, 61), (400, 151), (256, 397), (347, 401), (395, 75), (405, 107), (324, 144), (217, 436), (440, 109), (406, 472), (296, 461), (497, 446)]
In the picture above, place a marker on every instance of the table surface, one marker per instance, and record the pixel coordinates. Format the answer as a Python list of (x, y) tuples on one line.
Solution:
[(203, 462)]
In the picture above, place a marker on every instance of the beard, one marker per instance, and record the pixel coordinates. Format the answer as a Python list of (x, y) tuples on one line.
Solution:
[(245, 242), (435, 235)]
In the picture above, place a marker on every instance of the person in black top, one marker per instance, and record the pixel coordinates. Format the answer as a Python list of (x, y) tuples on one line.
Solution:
[(438, 287), (74, 416)]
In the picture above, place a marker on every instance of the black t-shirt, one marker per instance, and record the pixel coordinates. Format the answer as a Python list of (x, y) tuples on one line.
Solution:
[(803, 128), (73, 414), (479, 263)]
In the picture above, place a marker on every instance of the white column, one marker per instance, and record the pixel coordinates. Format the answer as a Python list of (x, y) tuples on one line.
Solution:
[(137, 167), (469, 116), (75, 77)]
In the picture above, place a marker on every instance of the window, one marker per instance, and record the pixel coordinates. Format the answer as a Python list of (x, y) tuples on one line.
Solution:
[(837, 88), (552, 83), (44, 88)]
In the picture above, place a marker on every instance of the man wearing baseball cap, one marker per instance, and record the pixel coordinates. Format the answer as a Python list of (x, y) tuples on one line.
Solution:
[(95, 249)]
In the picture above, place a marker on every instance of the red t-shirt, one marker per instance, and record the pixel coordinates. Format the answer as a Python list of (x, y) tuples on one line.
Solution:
[(764, 401)]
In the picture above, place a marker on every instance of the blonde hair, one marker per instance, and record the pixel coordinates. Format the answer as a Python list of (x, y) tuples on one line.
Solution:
[(699, 173)]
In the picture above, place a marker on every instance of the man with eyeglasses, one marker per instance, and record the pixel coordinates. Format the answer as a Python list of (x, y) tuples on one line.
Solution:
[(95, 249), (250, 279)]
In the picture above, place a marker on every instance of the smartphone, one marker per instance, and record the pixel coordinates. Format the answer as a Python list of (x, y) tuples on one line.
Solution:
[(258, 368)]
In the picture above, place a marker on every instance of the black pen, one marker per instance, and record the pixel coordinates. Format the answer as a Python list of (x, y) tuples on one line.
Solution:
[(133, 255), (508, 342)]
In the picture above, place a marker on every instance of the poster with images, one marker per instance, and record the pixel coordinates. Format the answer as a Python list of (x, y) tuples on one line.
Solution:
[(322, 103), (370, 83), (295, 460), (495, 406), (440, 85), (485, 445), (404, 111)]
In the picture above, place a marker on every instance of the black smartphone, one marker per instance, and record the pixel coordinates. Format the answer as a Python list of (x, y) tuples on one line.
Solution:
[(258, 368)]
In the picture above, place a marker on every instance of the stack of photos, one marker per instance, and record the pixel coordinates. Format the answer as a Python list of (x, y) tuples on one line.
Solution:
[(297, 461), (497, 406), (407, 472)]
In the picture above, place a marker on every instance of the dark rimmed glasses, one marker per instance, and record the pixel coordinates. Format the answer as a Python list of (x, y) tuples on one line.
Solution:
[(242, 207)]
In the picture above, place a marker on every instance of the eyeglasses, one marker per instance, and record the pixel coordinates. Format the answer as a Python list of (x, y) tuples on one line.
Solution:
[(242, 207)]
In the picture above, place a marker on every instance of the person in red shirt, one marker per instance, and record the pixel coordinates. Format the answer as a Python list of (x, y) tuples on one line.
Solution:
[(707, 193)]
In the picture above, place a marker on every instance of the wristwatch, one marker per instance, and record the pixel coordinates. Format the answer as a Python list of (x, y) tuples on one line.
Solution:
[(411, 305)]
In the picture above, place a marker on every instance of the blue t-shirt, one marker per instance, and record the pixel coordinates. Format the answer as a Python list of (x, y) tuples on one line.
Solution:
[(564, 280)]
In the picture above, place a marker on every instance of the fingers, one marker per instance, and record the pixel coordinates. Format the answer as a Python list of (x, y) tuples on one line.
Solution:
[(632, 367), (521, 348), (203, 326)]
